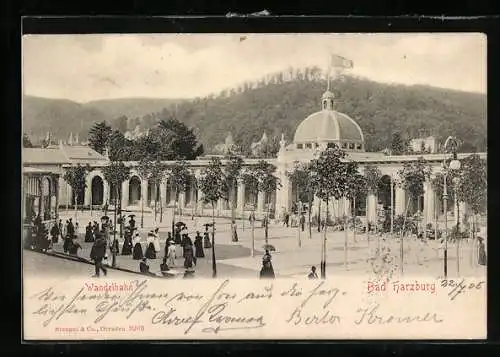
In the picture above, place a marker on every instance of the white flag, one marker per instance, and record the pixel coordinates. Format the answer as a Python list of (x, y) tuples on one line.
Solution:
[(340, 62)]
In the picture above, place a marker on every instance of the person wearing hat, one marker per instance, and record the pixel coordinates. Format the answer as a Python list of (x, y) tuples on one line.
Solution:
[(198, 246), (137, 252), (144, 267), (481, 252), (97, 254), (313, 274), (171, 253)]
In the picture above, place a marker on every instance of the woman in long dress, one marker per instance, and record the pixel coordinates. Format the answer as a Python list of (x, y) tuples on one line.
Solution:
[(171, 254), (156, 241), (89, 233), (127, 243), (150, 251), (188, 256), (481, 253), (137, 252), (267, 270), (198, 246)]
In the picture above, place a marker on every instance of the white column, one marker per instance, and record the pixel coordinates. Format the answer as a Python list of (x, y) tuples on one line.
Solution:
[(429, 204), (241, 197), (347, 207), (69, 189), (182, 200), (88, 191), (105, 192), (284, 194), (462, 208), (163, 192), (260, 202), (125, 193), (400, 201), (371, 208), (144, 193)]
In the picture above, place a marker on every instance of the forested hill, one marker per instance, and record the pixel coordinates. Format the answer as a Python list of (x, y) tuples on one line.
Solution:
[(277, 106), (379, 109)]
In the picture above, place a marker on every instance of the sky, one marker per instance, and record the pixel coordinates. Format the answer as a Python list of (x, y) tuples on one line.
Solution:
[(91, 67)]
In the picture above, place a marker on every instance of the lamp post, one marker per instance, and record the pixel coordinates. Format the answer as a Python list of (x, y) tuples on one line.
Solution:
[(458, 234), (450, 145)]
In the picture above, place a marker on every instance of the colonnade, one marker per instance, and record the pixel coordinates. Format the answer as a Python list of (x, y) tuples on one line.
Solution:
[(192, 199)]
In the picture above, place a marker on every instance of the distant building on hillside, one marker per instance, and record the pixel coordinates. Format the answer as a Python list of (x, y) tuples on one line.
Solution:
[(135, 134), (428, 145)]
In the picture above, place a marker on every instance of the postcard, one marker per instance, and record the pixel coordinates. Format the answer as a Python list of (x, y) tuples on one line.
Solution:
[(319, 186)]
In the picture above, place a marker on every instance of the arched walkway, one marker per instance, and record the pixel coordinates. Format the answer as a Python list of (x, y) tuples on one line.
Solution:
[(134, 191), (97, 187)]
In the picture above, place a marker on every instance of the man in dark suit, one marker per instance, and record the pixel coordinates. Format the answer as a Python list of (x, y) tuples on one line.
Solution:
[(97, 254)]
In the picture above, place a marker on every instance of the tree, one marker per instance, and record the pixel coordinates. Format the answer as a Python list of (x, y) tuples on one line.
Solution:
[(145, 170), (251, 184), (373, 177), (357, 188), (76, 176), (99, 135), (413, 175), (398, 145), (120, 149), (301, 177), (26, 141), (157, 176), (213, 185), (472, 188), (122, 124), (330, 178), (116, 173), (473, 183), (179, 176), (184, 142), (264, 181), (232, 171)]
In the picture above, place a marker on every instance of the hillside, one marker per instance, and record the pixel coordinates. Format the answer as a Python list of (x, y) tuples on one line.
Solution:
[(131, 107), (277, 106), (379, 109), (59, 116)]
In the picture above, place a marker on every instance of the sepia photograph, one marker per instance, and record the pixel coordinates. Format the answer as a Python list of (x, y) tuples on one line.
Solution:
[(255, 157)]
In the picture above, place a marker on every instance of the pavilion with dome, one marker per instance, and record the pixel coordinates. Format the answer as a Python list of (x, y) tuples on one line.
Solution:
[(320, 130)]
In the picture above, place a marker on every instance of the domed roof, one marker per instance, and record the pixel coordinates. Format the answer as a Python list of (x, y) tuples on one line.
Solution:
[(328, 125)]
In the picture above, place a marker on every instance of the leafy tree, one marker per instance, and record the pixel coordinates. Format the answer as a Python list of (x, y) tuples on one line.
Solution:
[(330, 176), (301, 177), (357, 188), (472, 184), (145, 170), (157, 176), (413, 175), (184, 142), (179, 176), (398, 145), (262, 179), (26, 141), (116, 173), (373, 178), (99, 135), (213, 185), (232, 172), (122, 124), (76, 176)]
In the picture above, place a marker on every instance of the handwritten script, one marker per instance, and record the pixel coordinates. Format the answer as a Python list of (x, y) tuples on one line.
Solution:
[(229, 308)]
